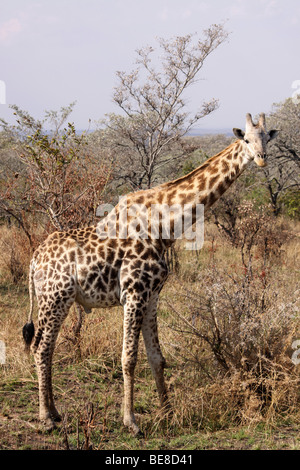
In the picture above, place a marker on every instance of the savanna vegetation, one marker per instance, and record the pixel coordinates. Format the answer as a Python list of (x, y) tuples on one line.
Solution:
[(228, 314)]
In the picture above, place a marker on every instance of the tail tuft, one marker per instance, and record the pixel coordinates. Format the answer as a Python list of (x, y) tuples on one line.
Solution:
[(28, 334)]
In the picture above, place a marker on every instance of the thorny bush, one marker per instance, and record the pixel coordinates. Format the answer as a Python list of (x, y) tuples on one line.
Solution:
[(235, 325)]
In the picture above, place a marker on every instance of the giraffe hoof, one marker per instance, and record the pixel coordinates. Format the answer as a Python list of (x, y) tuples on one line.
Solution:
[(135, 431), (48, 425), (56, 418), (139, 434), (133, 428)]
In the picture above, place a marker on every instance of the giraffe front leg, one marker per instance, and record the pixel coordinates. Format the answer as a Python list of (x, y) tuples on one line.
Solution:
[(133, 317), (154, 354)]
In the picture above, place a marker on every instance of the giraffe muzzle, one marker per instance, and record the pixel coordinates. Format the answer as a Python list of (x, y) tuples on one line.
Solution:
[(260, 160)]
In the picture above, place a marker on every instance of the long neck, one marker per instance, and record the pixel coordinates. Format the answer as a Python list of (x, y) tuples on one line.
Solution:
[(207, 183), (205, 186)]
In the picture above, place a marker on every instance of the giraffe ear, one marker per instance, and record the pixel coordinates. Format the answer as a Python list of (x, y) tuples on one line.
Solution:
[(273, 133), (238, 133)]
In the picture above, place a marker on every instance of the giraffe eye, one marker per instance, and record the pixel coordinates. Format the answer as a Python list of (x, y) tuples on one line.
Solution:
[(247, 141)]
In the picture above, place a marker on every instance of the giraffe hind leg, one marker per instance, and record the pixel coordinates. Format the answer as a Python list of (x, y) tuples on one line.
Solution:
[(49, 325)]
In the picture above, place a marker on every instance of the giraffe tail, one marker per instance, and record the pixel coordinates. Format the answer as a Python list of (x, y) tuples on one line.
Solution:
[(28, 328)]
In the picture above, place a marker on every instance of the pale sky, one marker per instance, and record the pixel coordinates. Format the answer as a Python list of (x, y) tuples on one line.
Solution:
[(53, 52)]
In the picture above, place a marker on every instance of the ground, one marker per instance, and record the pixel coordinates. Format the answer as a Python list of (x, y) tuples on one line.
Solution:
[(90, 399)]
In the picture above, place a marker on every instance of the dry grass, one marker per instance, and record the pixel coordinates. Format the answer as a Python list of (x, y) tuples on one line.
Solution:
[(258, 385), (15, 254)]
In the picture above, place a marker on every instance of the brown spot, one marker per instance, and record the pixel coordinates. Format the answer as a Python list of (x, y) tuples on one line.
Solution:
[(100, 285), (137, 264), (113, 243), (83, 272), (148, 254), (91, 278), (53, 263), (212, 198), (110, 256), (155, 270), (183, 186), (221, 188), (201, 184), (139, 248), (60, 251), (236, 169), (101, 252), (106, 273), (156, 283), (212, 181), (186, 198), (225, 166), (203, 200), (213, 169), (170, 196), (227, 180), (140, 200), (121, 253), (160, 197), (113, 274)]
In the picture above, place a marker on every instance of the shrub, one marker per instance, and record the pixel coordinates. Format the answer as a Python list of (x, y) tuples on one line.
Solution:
[(15, 253), (233, 331)]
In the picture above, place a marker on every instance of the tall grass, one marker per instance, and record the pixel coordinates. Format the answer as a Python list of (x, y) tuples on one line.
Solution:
[(226, 327)]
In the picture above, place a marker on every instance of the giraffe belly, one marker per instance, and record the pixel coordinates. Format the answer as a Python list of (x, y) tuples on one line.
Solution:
[(97, 290)]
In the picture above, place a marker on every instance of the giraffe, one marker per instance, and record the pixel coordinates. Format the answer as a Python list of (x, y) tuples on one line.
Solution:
[(96, 270)]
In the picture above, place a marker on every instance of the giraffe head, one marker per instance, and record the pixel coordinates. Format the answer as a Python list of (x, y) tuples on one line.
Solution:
[(256, 138)]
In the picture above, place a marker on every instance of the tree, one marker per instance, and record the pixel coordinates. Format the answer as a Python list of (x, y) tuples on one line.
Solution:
[(58, 183), (283, 172), (146, 137)]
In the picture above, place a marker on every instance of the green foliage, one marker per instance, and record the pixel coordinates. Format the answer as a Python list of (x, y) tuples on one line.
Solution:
[(188, 166), (56, 147), (291, 203)]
